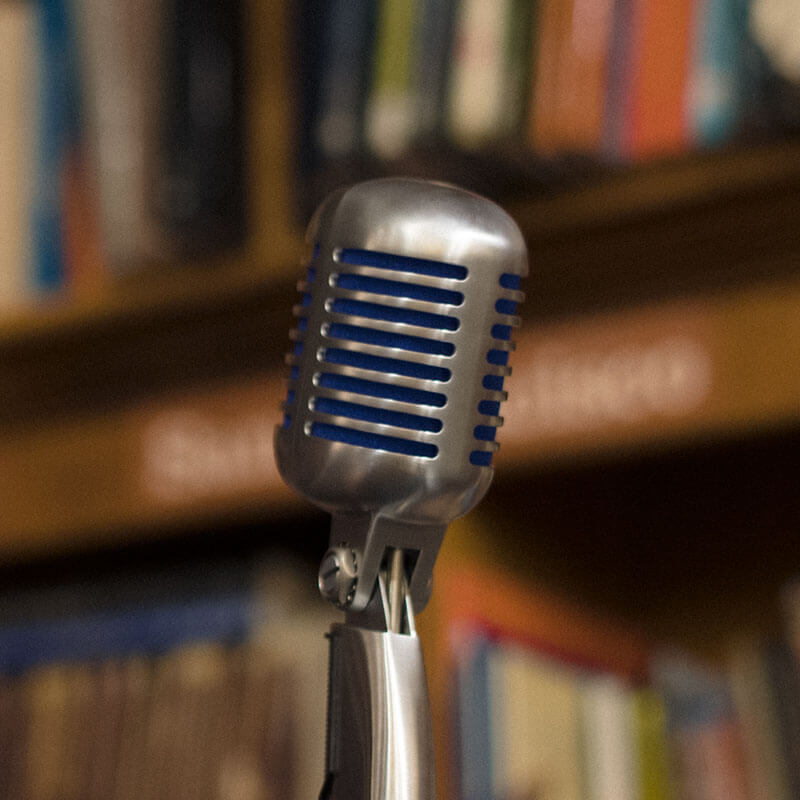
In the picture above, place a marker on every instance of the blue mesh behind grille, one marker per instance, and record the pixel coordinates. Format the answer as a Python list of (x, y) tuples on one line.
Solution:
[(481, 458), (490, 408), (503, 306), (508, 280), (502, 332), (380, 416), (493, 382), (418, 266), (302, 327), (386, 306), (498, 357)]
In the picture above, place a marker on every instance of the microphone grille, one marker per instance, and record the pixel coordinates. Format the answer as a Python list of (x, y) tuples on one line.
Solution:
[(402, 342)]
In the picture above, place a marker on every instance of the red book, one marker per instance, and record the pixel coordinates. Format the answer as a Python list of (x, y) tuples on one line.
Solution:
[(659, 75)]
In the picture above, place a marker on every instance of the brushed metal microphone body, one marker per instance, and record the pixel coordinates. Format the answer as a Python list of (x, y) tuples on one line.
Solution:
[(396, 380)]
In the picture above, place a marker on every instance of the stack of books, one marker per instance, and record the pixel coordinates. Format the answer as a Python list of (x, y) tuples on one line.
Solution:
[(122, 139), (537, 696), (618, 80), (204, 681)]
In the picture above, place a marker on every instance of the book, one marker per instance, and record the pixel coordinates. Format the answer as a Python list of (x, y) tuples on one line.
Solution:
[(344, 75), (434, 33), (19, 64), (120, 50), (611, 768), (478, 72), (651, 745), (536, 748), (519, 49), (553, 24), (56, 137), (717, 89), (580, 99), (390, 122), (518, 722), (120, 616), (704, 729), (483, 622), (659, 65), (206, 715), (198, 174), (618, 95)]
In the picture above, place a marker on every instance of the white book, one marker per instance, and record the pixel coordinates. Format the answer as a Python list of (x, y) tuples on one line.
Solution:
[(119, 47), (477, 95), (535, 708), (609, 745)]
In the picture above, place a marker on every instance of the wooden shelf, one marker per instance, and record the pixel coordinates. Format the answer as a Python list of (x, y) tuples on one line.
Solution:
[(688, 268), (631, 381)]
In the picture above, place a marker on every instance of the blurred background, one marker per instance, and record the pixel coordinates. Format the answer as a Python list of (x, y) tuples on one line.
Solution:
[(620, 618)]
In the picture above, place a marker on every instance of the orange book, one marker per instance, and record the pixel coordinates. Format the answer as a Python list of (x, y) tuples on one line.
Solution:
[(660, 68), (580, 102), (85, 265), (550, 30), (469, 596)]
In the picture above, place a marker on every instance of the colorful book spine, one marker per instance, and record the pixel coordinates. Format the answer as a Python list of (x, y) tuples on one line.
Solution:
[(390, 114), (582, 77), (102, 635), (57, 129), (478, 77), (19, 64), (608, 743), (717, 94), (345, 73), (121, 61), (434, 33), (704, 730), (660, 67), (552, 30)]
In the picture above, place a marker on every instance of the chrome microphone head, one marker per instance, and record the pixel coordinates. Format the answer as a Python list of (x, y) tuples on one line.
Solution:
[(397, 367)]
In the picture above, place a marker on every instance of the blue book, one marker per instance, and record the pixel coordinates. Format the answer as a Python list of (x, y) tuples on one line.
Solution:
[(141, 612), (716, 89), (346, 70), (135, 631), (474, 718), (57, 133)]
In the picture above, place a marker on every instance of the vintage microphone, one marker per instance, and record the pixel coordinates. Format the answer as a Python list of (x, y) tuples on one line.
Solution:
[(396, 379)]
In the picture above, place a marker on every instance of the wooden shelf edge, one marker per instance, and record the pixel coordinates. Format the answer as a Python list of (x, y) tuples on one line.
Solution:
[(710, 367), (636, 191)]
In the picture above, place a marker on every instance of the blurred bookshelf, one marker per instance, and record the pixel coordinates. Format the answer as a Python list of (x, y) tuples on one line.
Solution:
[(654, 411)]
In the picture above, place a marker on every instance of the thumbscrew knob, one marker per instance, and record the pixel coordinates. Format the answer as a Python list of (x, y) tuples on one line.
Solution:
[(338, 576)]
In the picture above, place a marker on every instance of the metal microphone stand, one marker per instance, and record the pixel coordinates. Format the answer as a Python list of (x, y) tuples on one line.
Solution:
[(380, 739)]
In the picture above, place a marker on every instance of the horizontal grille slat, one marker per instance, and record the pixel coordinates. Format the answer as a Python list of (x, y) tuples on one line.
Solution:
[(397, 314), (400, 341), (388, 391), (374, 441), (392, 366), (413, 291)]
